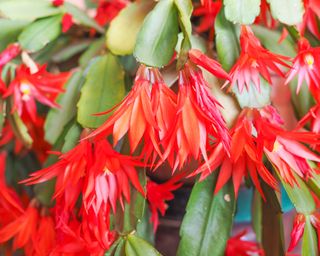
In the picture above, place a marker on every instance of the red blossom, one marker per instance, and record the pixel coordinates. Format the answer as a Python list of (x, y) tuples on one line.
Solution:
[(139, 116), (12, 51), (108, 9), (67, 22), (254, 134), (58, 3), (198, 120), (101, 174), (297, 231), (254, 61), (238, 246), (157, 195), (305, 65), (214, 67), (265, 17), (207, 11), (310, 18), (28, 86)]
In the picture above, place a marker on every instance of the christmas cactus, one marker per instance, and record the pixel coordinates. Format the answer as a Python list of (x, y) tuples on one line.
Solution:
[(109, 108)]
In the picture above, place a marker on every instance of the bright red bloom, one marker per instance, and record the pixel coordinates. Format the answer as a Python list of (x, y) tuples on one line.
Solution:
[(10, 205), (27, 87), (101, 174), (157, 195), (67, 22), (313, 116), (88, 236), (143, 114), (108, 9), (12, 51), (214, 67), (207, 11), (237, 246), (245, 159), (310, 18), (28, 231), (305, 65), (198, 120), (297, 231), (265, 17), (254, 134), (58, 3), (254, 61)]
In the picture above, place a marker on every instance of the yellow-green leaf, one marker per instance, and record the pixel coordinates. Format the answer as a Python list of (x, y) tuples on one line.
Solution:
[(122, 34), (104, 87)]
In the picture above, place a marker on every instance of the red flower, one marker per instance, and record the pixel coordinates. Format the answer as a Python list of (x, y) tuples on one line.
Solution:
[(305, 65), (10, 204), (198, 120), (58, 3), (314, 117), (67, 22), (137, 114), (246, 156), (254, 134), (265, 18), (101, 174), (28, 87), (12, 51), (237, 246), (254, 60), (297, 231), (157, 195), (207, 11), (214, 67), (88, 236), (108, 9), (27, 231), (310, 18)]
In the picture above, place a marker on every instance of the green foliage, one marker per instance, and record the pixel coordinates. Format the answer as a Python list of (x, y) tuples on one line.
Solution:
[(122, 34), (208, 220), (242, 11), (103, 88), (41, 32), (158, 36)]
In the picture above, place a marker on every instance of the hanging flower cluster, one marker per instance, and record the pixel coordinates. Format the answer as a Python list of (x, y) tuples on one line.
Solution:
[(89, 121)]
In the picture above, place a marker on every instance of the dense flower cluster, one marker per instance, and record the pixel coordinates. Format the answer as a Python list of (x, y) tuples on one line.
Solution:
[(155, 125)]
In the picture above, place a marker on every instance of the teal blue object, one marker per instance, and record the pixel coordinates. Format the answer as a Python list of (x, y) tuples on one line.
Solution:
[(243, 213)]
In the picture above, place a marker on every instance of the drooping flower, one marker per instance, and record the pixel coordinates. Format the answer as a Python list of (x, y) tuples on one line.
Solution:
[(108, 9), (198, 121), (207, 11), (236, 245), (57, 3), (143, 114), (254, 61), (12, 51), (313, 116), (27, 231), (257, 133), (29, 86), (95, 170), (89, 235), (299, 227), (265, 18), (297, 231), (305, 65), (245, 158), (10, 204), (67, 22), (310, 18), (157, 195)]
